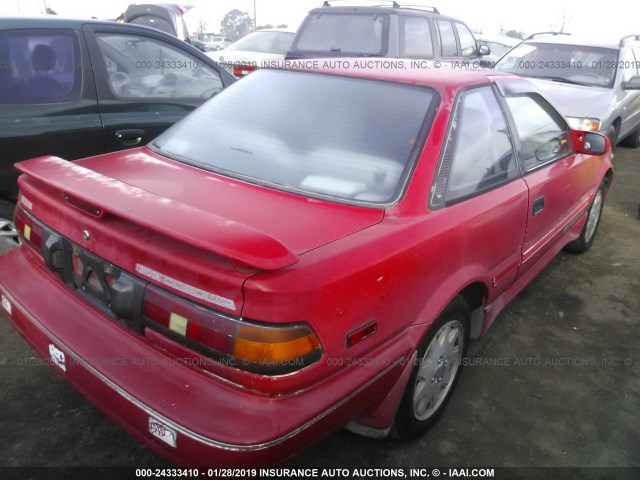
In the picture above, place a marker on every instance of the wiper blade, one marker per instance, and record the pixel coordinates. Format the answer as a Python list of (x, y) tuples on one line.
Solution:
[(557, 79), (566, 80)]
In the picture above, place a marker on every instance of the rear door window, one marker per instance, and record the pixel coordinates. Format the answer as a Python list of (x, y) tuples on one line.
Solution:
[(415, 37), (39, 66)]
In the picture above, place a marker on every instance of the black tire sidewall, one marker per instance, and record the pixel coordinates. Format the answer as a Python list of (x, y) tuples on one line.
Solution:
[(6, 210), (581, 245)]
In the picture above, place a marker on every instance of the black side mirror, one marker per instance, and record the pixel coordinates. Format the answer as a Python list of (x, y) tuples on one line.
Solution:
[(591, 143)]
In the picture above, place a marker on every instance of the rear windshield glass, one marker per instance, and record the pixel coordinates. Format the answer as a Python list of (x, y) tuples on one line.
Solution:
[(345, 33), (320, 135), (573, 64), (264, 42)]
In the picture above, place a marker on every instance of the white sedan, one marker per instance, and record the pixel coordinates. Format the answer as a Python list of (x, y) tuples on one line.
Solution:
[(260, 48)]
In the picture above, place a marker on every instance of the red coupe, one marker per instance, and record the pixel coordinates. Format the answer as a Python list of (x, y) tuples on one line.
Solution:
[(307, 250)]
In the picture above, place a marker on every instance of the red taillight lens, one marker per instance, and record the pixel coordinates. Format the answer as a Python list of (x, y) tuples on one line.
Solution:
[(242, 70), (30, 229), (251, 346)]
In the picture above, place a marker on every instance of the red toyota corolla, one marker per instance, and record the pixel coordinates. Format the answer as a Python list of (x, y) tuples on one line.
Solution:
[(308, 250)]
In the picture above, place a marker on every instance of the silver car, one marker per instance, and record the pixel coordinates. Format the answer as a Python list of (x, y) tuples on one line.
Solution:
[(595, 85)]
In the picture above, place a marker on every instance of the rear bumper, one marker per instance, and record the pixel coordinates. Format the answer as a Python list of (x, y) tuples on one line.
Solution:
[(203, 420)]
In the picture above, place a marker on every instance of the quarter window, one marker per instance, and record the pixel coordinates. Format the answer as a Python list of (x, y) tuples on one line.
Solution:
[(544, 135), (467, 41), (145, 68), (478, 154), (39, 67)]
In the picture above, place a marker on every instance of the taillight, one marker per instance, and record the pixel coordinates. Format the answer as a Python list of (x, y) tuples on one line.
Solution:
[(246, 345), (30, 229), (242, 70)]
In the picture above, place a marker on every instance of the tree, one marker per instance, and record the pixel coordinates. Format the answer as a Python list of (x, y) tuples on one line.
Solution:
[(283, 25), (514, 34), (51, 11), (202, 28), (236, 24), (262, 27)]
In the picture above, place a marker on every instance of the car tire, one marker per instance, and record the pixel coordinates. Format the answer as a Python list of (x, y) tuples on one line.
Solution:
[(612, 133), (585, 240), (8, 232), (633, 139), (435, 373)]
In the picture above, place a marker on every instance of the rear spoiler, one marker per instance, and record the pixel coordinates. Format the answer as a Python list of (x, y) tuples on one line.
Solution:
[(173, 219)]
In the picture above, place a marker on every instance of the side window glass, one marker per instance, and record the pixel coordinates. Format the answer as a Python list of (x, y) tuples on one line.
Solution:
[(146, 68), (448, 45), (629, 66), (478, 154), (39, 67), (467, 41), (543, 133), (415, 37)]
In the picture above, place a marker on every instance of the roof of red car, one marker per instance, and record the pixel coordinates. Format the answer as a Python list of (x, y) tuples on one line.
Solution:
[(443, 76)]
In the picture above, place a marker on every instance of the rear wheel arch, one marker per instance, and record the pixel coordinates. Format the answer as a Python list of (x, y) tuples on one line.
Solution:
[(435, 371)]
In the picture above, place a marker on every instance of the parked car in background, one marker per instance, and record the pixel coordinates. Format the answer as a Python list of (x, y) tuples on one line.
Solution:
[(384, 31), (305, 251), (77, 88), (216, 42), (498, 45), (596, 85), (260, 48), (199, 44), (166, 17)]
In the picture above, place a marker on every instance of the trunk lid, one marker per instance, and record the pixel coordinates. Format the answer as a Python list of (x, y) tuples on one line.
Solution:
[(190, 231)]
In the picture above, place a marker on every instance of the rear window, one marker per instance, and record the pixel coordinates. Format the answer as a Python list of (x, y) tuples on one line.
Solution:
[(344, 33), (345, 138), (264, 42)]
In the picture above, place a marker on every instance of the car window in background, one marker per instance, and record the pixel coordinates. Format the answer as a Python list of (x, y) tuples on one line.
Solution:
[(39, 67), (154, 21), (583, 65), (415, 37), (143, 67), (467, 41), (497, 49), (265, 42), (448, 48), (321, 135), (479, 154), (544, 135), (344, 33), (630, 65)]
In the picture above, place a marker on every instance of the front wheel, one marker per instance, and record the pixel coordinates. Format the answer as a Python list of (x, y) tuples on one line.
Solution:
[(585, 240), (438, 366), (633, 139)]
